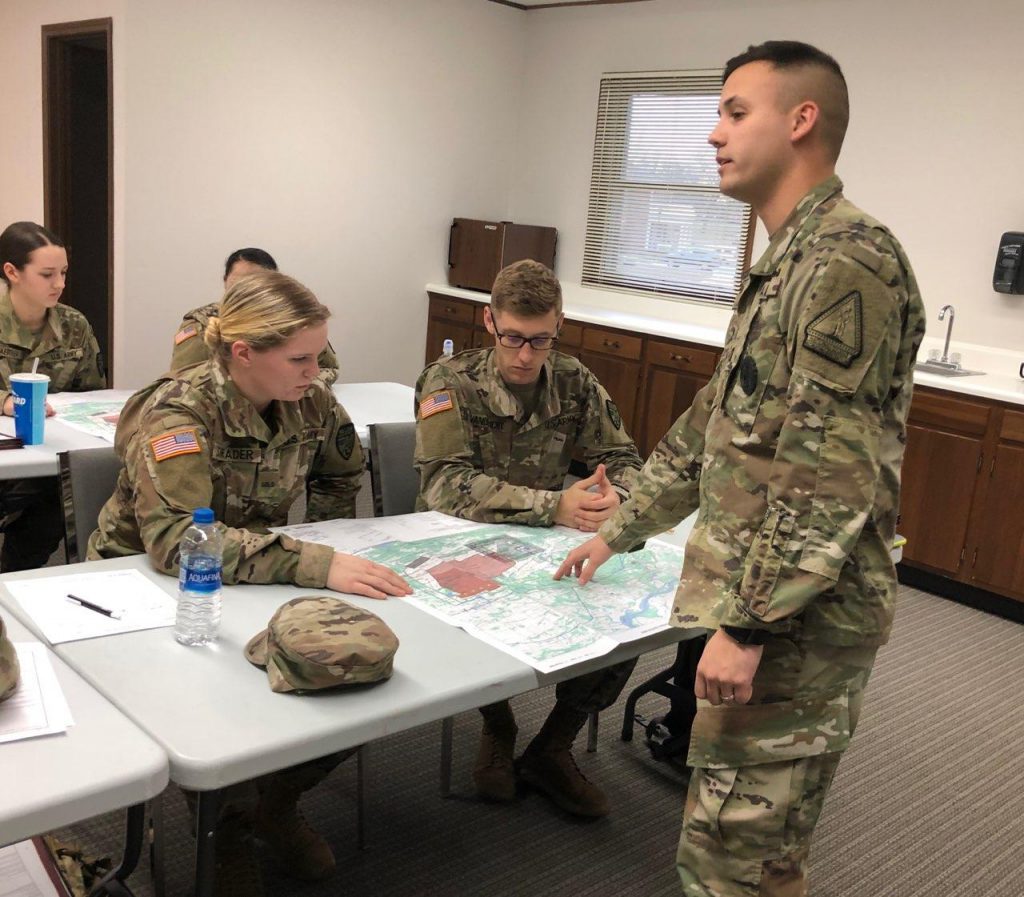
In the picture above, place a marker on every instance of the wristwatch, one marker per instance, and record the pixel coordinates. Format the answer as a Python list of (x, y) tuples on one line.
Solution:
[(746, 636)]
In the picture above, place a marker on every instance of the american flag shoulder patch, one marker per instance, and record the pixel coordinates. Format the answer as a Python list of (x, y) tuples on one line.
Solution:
[(185, 333), (435, 403), (177, 442)]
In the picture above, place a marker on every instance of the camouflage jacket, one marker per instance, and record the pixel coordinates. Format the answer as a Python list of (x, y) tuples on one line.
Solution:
[(8, 664), (480, 459), (793, 450), (66, 349), (190, 348), (191, 440)]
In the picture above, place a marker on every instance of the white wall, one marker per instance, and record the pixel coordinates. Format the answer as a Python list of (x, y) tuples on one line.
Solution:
[(340, 136), (934, 148)]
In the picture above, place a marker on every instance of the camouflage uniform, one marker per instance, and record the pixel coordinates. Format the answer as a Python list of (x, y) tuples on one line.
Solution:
[(481, 460), (792, 453), (9, 668), (248, 470), (190, 348), (33, 522)]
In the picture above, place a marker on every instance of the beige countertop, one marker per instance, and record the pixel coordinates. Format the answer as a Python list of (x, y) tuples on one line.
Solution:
[(1001, 380)]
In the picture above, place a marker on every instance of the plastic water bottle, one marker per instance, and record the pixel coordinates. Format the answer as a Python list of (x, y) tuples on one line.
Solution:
[(447, 349), (202, 546)]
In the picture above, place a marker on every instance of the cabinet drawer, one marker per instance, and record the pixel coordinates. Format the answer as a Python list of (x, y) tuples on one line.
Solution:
[(451, 309), (681, 357), (571, 334), (1012, 429), (932, 409), (610, 343)]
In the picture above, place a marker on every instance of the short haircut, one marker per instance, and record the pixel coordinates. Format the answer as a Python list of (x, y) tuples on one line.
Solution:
[(20, 240), (819, 78), (252, 255), (264, 309), (527, 289)]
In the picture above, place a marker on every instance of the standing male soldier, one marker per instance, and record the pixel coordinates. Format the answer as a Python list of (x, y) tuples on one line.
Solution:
[(792, 454), (496, 431)]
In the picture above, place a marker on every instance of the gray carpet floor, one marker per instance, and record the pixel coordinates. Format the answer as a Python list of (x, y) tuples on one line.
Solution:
[(924, 805)]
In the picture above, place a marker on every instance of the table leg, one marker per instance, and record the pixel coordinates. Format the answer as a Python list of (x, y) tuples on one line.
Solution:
[(135, 831), (206, 841), (447, 726), (157, 869)]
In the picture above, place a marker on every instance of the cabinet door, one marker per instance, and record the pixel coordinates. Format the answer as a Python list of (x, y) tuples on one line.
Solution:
[(668, 394), (440, 329), (998, 559), (940, 470), (614, 358), (674, 374)]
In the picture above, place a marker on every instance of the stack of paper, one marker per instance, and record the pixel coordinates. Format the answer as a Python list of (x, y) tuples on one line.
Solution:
[(122, 601), (38, 706)]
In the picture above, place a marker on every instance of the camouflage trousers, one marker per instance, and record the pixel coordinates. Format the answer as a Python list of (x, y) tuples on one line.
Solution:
[(32, 520), (762, 771), (586, 694), (238, 801)]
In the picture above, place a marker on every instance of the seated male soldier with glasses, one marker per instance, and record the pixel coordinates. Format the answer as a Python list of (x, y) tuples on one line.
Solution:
[(497, 429)]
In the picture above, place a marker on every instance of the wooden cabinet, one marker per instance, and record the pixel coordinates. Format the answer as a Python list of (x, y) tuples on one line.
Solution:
[(673, 375), (997, 558), (614, 358), (448, 319), (945, 438)]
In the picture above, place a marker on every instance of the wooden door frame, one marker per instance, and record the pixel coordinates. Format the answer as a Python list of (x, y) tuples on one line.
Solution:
[(54, 37)]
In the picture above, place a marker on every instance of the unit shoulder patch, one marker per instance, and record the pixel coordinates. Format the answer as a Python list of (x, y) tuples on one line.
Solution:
[(185, 333), (838, 332), (346, 440), (174, 443), (435, 403), (613, 414)]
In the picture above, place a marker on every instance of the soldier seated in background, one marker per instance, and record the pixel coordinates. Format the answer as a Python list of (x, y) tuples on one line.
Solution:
[(496, 431), (189, 348)]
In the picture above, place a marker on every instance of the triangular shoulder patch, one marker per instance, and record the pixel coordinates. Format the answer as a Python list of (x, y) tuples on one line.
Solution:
[(838, 332)]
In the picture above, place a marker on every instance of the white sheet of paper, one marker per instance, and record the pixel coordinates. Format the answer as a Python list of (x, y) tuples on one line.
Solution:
[(61, 400), (140, 603), (22, 873), (38, 707), (351, 536)]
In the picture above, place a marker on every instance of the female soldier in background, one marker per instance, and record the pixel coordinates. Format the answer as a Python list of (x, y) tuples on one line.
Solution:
[(33, 325), (246, 433), (189, 347)]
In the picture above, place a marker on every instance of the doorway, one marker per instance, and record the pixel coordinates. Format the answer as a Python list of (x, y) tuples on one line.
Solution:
[(78, 182)]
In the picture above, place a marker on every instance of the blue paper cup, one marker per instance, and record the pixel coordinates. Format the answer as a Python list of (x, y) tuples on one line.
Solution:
[(29, 392)]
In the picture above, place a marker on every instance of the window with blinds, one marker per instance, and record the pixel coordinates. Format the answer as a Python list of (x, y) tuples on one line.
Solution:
[(656, 221)]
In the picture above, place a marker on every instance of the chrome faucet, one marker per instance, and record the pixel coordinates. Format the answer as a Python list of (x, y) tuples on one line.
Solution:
[(949, 331)]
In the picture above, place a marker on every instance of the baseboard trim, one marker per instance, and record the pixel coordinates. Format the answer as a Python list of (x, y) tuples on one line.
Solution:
[(980, 599)]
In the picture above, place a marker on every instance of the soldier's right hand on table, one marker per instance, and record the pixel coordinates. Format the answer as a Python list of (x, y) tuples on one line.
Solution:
[(582, 509), (358, 576), (583, 561)]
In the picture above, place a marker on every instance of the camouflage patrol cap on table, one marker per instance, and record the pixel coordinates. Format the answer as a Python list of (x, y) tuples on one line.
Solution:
[(319, 642), (8, 664)]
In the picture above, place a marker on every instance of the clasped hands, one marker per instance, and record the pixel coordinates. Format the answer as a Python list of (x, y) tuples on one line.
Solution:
[(587, 503)]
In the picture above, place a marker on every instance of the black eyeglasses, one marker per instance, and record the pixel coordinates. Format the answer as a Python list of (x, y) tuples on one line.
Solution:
[(514, 341)]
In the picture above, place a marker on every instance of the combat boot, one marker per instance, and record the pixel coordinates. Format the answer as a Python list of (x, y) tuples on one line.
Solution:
[(548, 765), (301, 850), (237, 871), (494, 772)]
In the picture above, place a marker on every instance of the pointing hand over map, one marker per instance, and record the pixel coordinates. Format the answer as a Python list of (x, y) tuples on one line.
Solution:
[(583, 562), (586, 504)]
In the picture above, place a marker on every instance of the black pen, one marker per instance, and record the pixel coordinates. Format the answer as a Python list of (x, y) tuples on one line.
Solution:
[(90, 606)]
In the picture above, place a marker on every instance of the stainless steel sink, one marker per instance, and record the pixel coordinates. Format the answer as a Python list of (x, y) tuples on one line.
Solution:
[(945, 369)]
